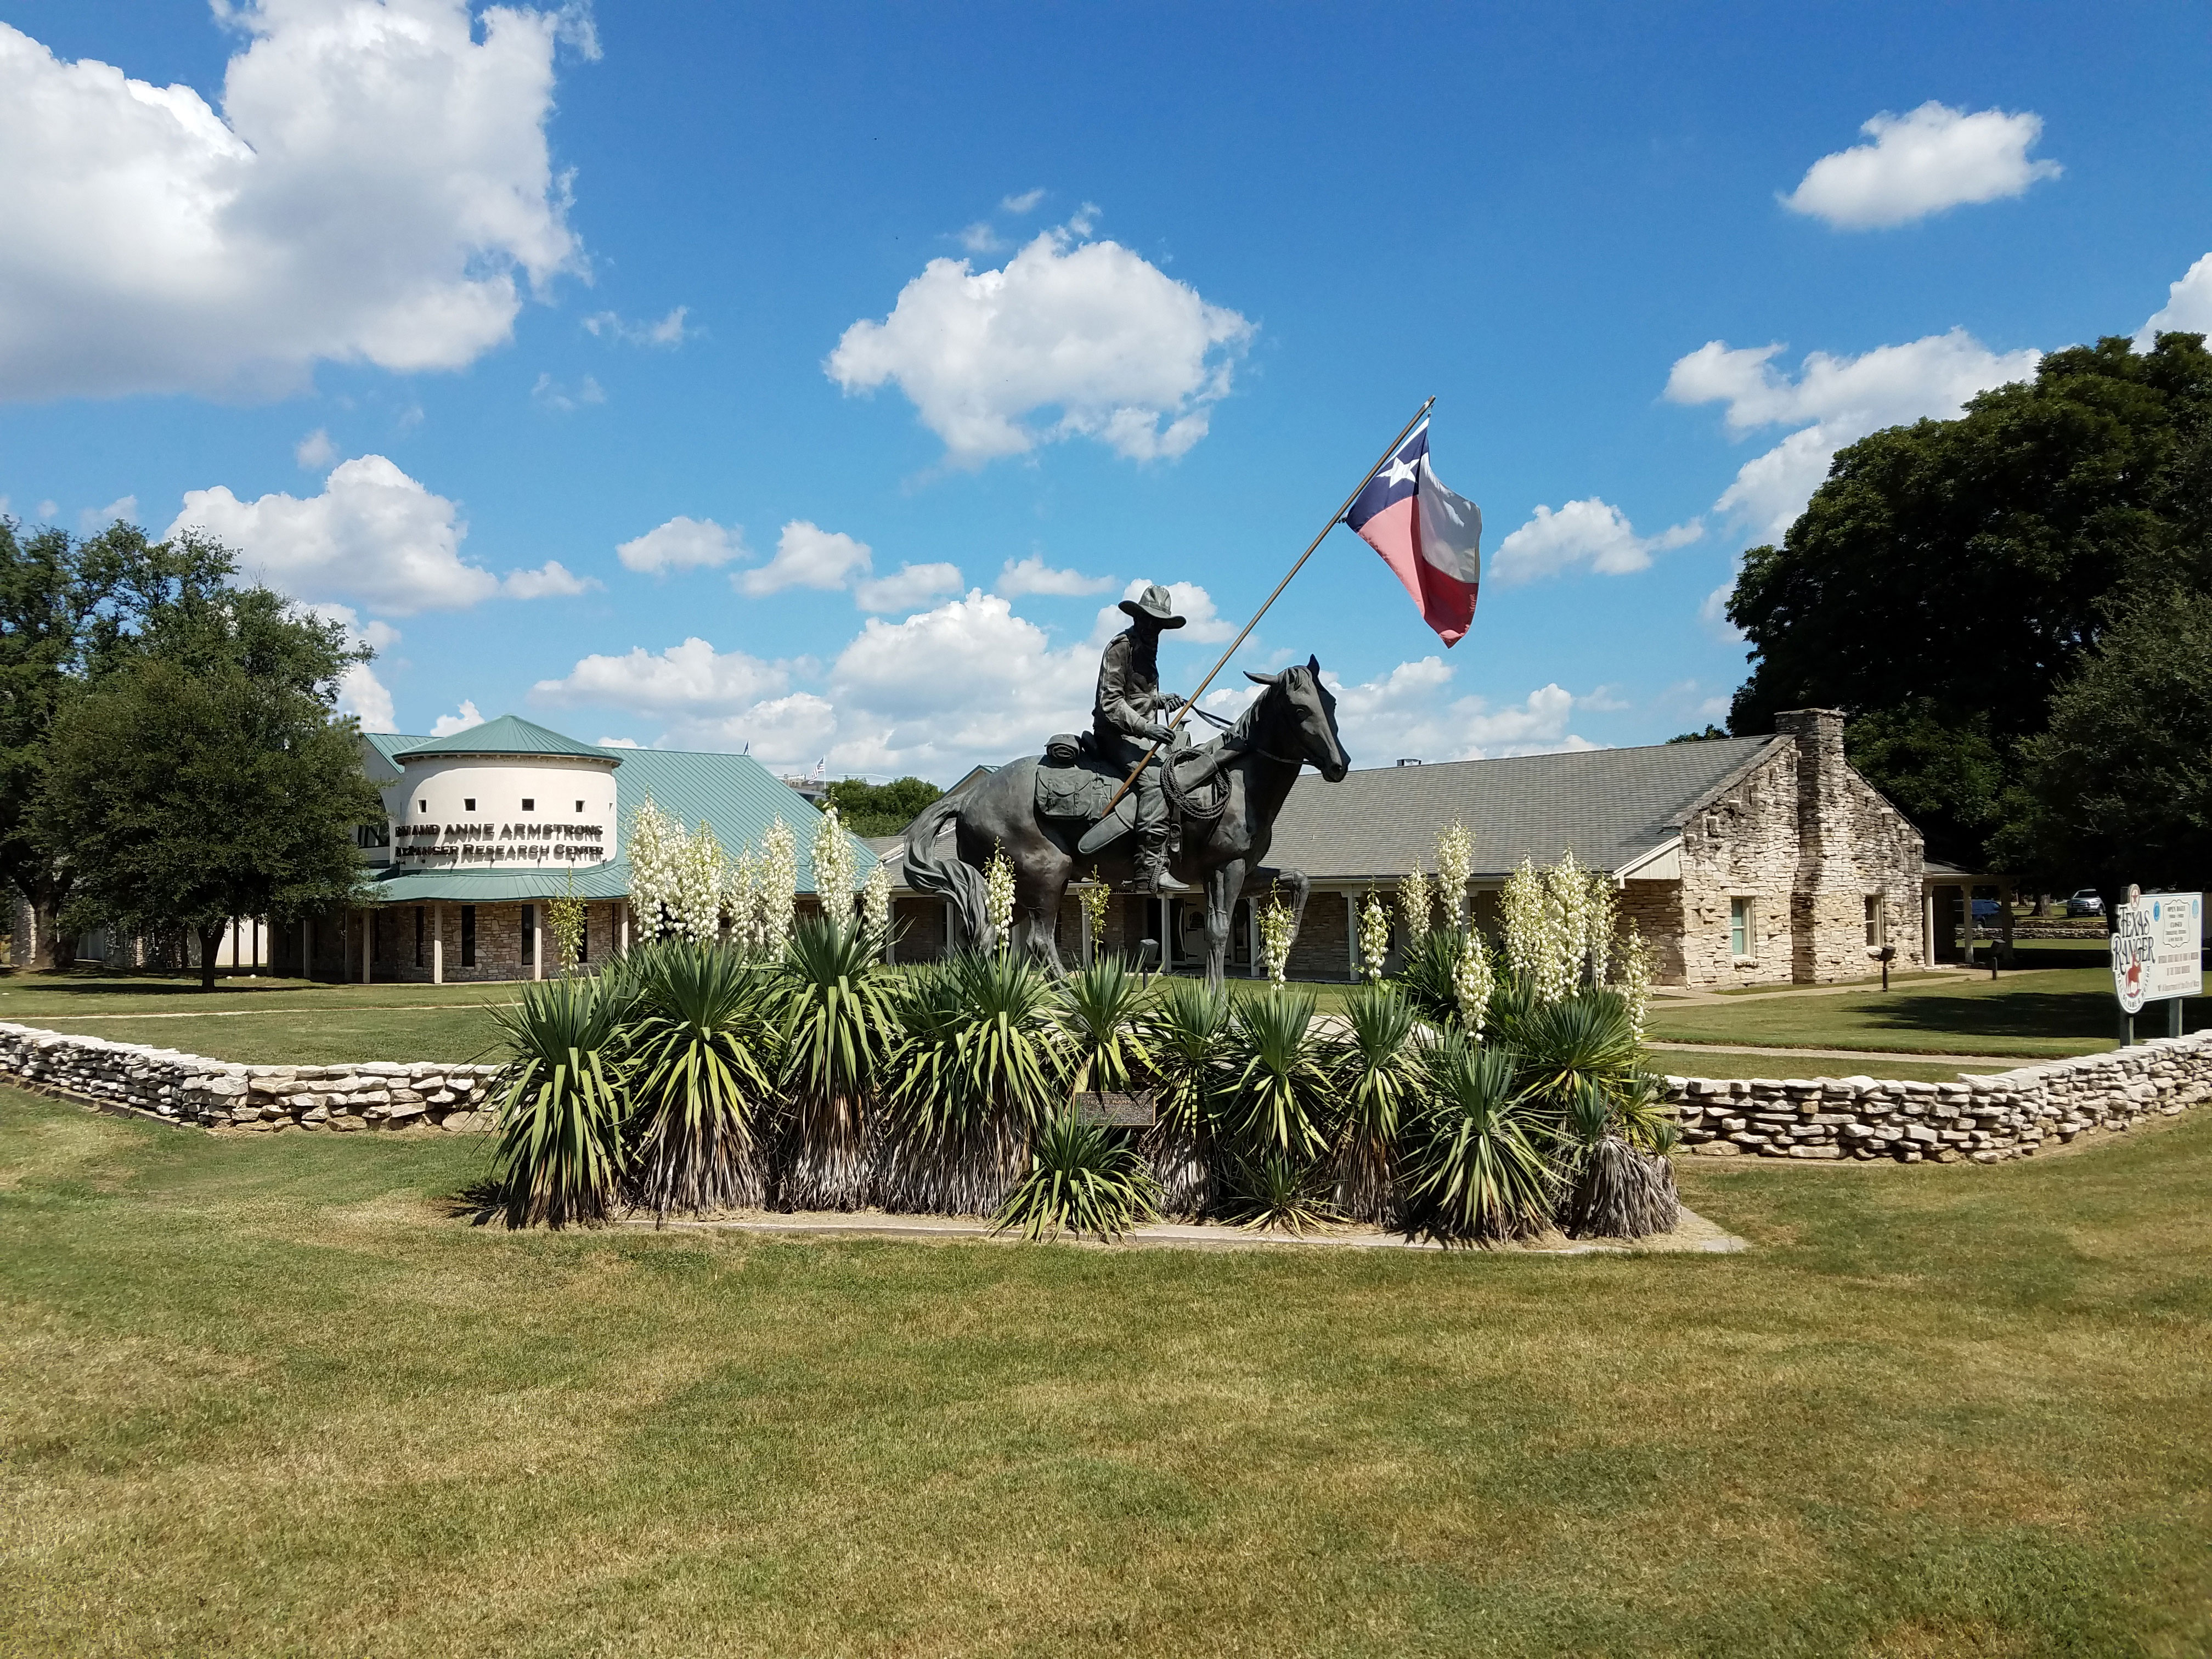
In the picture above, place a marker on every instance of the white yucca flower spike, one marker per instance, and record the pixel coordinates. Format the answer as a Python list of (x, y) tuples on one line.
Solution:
[(1636, 976), (779, 886), (1473, 982), (1374, 938), (1278, 926), (833, 865), (1094, 898), (876, 903), (1454, 864), (1601, 923), (655, 844), (1414, 905), (1566, 927), (999, 898), (741, 900), (1521, 904), (698, 907)]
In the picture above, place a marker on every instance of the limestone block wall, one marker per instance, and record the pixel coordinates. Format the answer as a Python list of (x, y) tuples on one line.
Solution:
[(1656, 907), (1985, 1119), (220, 1094), (1741, 844)]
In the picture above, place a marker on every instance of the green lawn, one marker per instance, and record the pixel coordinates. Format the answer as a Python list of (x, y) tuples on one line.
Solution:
[(308, 1037), (264, 1396), (2030, 1013), (35, 998)]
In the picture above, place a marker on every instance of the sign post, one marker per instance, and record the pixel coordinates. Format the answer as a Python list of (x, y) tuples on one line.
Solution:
[(2158, 954)]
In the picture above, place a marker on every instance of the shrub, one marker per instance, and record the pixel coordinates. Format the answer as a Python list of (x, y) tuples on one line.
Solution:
[(1281, 1090), (1470, 1168), (1430, 975), (1375, 1069), (1273, 1189), (1102, 1008), (701, 1045), (1186, 1031), (977, 1065), (834, 1020), (558, 1158), (1612, 1186), (1082, 1179)]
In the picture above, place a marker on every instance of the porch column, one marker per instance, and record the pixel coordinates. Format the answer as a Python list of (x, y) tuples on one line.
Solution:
[(1083, 922), (1352, 937), (1927, 926), (235, 920), (2008, 899), (538, 941), (437, 945), (621, 924), (368, 944)]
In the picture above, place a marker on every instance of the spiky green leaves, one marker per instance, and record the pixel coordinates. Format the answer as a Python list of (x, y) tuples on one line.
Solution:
[(1082, 1179)]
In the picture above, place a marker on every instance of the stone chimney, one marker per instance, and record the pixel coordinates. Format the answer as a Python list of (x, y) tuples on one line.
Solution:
[(1823, 836)]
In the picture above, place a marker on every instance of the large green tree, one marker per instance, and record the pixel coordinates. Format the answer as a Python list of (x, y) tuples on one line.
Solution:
[(201, 776), (2123, 777), (1950, 576), (881, 809), (67, 608)]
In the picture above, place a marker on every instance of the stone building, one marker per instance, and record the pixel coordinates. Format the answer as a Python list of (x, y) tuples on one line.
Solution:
[(1744, 861)]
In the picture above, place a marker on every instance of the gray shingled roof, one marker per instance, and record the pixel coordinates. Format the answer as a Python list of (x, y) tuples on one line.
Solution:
[(1609, 806)]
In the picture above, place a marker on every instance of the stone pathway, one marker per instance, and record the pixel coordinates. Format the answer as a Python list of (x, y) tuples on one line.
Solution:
[(1995, 1062), (1693, 1233), (1673, 995)]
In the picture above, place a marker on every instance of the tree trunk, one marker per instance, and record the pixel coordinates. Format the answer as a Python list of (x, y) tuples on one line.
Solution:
[(48, 910), (211, 942)]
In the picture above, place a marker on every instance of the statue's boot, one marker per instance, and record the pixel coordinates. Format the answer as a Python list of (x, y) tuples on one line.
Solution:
[(1154, 840)]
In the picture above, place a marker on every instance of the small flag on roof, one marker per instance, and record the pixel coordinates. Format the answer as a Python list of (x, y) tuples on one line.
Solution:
[(1432, 538)]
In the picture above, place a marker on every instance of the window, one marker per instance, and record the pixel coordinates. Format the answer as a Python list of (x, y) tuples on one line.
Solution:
[(418, 936), (530, 802), (1740, 938), (468, 936), (422, 806), (469, 805), (1877, 924), (529, 932), (367, 836), (579, 806)]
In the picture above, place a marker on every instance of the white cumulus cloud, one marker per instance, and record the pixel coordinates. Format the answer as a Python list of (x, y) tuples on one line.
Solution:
[(909, 586), (806, 556), (1202, 624), (683, 544), (1408, 714), (93, 520), (315, 451), (668, 332), (1033, 575), (376, 188), (361, 693), (692, 677), (374, 537), (1834, 401), (447, 724), (1122, 352), (2188, 307), (1922, 162), (1591, 533)]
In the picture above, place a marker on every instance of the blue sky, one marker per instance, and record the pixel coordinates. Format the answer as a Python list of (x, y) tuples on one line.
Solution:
[(575, 356)]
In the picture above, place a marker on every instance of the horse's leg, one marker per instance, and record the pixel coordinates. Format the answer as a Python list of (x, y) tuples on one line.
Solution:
[(1039, 888), (1224, 882)]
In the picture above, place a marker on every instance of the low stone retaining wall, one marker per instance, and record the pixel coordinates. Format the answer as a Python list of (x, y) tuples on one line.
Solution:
[(1986, 1119), (373, 1094)]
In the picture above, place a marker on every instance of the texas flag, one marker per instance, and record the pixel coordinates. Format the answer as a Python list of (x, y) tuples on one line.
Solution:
[(1432, 538)]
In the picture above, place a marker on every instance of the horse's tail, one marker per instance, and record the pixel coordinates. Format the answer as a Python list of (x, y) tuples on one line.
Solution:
[(962, 884)]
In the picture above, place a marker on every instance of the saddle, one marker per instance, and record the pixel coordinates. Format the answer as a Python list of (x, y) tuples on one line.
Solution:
[(1074, 783)]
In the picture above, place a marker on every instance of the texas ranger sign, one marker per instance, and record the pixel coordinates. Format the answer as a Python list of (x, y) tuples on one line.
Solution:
[(2158, 946)]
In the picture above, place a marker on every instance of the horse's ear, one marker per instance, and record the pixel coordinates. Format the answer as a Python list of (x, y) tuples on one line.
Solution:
[(1313, 666), (1262, 679)]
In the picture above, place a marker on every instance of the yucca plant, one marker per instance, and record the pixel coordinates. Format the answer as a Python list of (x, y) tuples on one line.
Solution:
[(1082, 1179), (834, 1027), (1470, 1167), (558, 1159), (1587, 1037), (1612, 1187), (1376, 1068), (1273, 1189), (1428, 976), (1102, 1010), (701, 1048), (977, 1064), (1280, 1094), (1186, 1032)]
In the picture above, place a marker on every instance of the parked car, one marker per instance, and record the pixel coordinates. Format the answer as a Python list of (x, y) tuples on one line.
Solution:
[(1987, 909), (2085, 903)]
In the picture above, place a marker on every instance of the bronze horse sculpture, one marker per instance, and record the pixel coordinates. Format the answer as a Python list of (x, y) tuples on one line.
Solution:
[(1226, 794)]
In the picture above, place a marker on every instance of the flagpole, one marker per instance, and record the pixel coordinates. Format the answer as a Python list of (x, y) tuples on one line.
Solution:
[(1334, 520)]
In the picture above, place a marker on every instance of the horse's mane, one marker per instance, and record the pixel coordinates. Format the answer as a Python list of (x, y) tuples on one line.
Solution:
[(1245, 731)]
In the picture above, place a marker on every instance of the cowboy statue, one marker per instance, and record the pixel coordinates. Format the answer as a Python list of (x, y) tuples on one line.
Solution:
[(1125, 721)]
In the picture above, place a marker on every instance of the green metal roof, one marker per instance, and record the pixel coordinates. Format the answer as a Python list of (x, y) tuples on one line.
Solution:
[(510, 734), (387, 745), (735, 793), (609, 880)]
